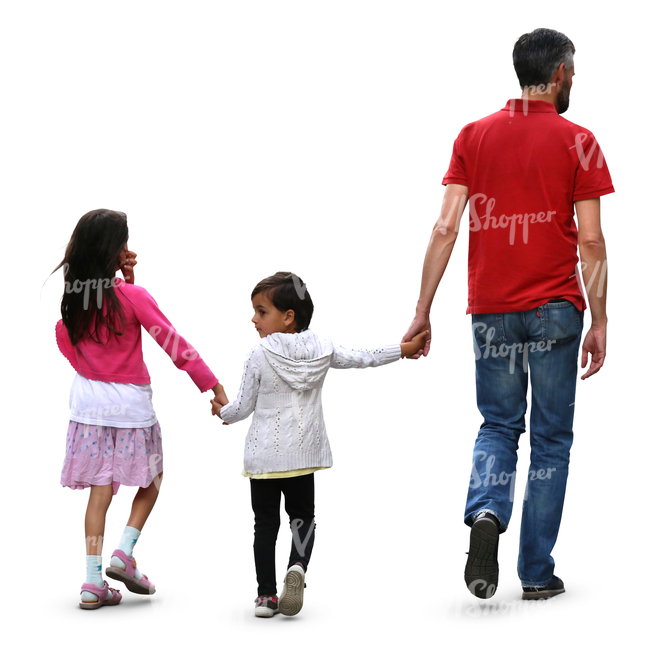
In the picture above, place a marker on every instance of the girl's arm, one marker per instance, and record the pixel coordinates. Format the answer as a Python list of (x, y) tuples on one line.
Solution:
[(346, 358), (350, 358), (184, 356), (244, 405)]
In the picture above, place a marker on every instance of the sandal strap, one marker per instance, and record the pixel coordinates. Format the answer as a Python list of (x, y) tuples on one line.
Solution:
[(94, 589)]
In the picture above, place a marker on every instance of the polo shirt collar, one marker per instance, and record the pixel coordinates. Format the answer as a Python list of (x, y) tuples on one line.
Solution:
[(529, 106)]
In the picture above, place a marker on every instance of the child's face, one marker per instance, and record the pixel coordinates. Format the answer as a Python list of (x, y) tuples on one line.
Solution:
[(268, 319)]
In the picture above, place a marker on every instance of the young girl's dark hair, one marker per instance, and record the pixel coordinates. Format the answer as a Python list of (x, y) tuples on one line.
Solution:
[(287, 291), (89, 303)]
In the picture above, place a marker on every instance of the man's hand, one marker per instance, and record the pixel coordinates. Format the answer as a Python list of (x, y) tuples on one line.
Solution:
[(595, 343), (419, 325), (415, 345)]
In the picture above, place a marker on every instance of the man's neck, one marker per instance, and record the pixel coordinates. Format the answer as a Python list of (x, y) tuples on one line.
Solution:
[(541, 94)]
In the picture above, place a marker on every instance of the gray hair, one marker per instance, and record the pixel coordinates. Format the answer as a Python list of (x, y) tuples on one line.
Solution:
[(537, 55)]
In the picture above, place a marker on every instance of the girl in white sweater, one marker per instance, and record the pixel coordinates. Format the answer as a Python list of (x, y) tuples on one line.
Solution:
[(287, 441)]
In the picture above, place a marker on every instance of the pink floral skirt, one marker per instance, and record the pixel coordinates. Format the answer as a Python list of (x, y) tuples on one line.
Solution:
[(101, 455)]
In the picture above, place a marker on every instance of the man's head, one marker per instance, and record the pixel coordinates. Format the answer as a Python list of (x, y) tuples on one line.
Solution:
[(543, 61)]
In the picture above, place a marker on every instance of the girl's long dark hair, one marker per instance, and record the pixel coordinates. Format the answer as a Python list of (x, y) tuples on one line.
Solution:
[(89, 303)]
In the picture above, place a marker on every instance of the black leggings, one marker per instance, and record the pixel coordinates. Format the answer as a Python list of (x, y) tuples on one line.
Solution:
[(299, 504)]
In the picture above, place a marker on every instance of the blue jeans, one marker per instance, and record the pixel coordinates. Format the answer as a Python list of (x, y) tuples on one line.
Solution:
[(546, 340)]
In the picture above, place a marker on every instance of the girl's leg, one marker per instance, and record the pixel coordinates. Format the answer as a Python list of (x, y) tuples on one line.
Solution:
[(143, 503), (299, 504), (98, 503), (265, 499)]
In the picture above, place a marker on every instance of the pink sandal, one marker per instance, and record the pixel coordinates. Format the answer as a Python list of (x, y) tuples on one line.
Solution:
[(101, 593), (127, 575)]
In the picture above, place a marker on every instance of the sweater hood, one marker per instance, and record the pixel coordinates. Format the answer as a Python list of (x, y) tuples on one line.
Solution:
[(301, 359)]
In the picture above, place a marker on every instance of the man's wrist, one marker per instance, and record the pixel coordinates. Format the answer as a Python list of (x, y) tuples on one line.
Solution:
[(599, 323), (422, 309)]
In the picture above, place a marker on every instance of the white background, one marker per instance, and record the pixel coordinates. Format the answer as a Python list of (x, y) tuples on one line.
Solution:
[(245, 138)]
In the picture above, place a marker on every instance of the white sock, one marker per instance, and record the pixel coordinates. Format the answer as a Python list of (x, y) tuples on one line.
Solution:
[(127, 543), (94, 576)]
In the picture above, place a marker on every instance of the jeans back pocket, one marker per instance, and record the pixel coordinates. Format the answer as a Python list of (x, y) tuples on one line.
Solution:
[(561, 322), (487, 329)]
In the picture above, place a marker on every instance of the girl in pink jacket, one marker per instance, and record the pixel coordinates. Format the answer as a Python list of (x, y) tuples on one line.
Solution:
[(114, 436)]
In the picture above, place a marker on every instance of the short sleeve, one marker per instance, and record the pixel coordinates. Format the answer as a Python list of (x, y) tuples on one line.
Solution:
[(456, 172), (592, 177)]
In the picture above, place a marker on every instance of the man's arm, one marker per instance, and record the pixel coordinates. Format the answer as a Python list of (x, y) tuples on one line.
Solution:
[(593, 257), (437, 256)]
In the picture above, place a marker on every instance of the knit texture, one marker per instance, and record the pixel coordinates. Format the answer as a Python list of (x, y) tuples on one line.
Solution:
[(281, 385)]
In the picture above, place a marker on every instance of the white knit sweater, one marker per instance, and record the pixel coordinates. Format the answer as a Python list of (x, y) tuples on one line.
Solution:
[(282, 383)]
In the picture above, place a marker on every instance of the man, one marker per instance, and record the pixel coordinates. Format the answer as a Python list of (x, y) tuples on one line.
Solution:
[(522, 170)]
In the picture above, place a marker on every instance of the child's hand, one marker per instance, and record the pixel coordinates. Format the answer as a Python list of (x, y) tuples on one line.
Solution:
[(220, 394), (127, 262), (415, 345), (419, 324), (216, 408)]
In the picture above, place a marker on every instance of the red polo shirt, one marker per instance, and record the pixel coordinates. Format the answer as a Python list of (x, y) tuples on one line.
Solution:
[(524, 167)]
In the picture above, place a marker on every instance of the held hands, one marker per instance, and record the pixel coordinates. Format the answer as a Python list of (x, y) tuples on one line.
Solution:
[(219, 401), (420, 327), (413, 348)]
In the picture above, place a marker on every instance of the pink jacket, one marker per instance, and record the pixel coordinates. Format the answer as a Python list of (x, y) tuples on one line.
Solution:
[(120, 360)]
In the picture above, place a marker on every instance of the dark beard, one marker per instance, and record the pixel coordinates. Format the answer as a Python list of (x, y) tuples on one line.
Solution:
[(563, 99)]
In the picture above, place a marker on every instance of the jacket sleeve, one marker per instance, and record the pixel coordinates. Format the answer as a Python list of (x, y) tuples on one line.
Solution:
[(349, 358), (244, 405), (184, 356)]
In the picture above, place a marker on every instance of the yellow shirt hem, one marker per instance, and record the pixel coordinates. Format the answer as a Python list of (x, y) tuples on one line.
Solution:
[(288, 474)]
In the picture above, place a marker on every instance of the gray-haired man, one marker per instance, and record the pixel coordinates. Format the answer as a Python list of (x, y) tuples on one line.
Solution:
[(522, 170)]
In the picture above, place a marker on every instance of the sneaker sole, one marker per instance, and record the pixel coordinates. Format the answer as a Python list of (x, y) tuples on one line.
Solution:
[(482, 568), (265, 612), (539, 595), (131, 583), (291, 601)]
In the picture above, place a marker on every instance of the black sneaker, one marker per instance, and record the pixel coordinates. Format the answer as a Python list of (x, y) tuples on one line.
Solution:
[(266, 606), (482, 568), (553, 588)]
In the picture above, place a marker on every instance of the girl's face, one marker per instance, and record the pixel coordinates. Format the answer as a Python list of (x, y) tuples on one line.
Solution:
[(268, 319)]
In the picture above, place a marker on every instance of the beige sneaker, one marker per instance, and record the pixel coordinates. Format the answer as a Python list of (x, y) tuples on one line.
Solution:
[(290, 602)]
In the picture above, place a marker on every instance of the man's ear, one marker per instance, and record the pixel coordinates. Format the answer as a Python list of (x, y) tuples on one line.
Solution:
[(289, 317)]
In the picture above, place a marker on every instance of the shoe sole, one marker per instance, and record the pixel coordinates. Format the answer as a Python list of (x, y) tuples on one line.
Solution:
[(131, 583), (539, 595), (482, 568), (291, 600), (95, 604), (265, 612)]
